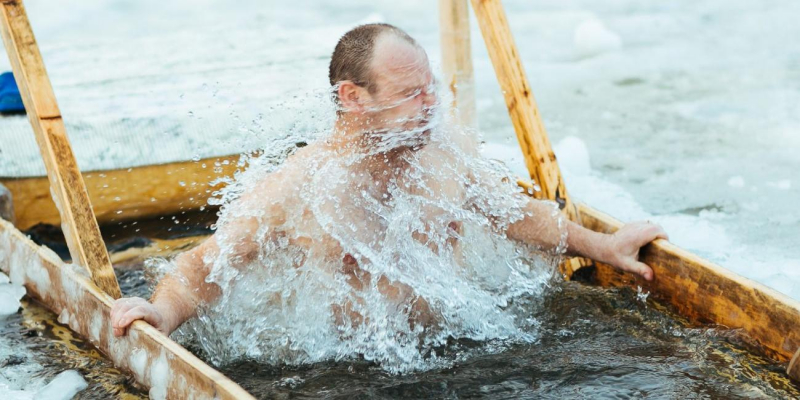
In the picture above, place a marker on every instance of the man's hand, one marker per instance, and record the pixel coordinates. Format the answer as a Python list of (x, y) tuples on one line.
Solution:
[(625, 244), (129, 309)]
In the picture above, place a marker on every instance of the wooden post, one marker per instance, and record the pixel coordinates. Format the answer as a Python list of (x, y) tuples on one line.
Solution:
[(66, 184), (539, 156), (457, 59)]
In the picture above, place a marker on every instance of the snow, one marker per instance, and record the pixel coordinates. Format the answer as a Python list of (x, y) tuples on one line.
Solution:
[(736, 181), (592, 38), (10, 295)]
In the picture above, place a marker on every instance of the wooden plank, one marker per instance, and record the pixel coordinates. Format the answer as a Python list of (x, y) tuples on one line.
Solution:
[(531, 135), (79, 225), (539, 156), (126, 194), (169, 370), (457, 59), (705, 292)]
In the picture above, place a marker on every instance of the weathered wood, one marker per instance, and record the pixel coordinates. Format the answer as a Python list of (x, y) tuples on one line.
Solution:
[(539, 156), (6, 204), (153, 359), (457, 59), (793, 370), (536, 149), (126, 194), (705, 292), (79, 225)]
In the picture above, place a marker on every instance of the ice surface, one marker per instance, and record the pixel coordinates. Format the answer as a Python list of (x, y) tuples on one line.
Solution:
[(63, 387), (592, 38), (10, 294)]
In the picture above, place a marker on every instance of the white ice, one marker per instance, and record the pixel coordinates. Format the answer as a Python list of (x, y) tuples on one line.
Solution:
[(63, 387), (10, 295), (592, 38)]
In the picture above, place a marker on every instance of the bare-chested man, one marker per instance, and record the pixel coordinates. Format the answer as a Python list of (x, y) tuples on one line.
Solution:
[(383, 88)]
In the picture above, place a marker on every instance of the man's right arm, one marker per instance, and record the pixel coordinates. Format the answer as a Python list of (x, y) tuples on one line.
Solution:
[(178, 294)]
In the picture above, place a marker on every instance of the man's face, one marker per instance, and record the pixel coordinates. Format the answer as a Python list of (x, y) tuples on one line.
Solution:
[(401, 108)]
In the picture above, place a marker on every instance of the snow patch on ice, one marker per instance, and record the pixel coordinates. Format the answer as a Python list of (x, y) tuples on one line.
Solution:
[(784, 184), (736, 181), (592, 38)]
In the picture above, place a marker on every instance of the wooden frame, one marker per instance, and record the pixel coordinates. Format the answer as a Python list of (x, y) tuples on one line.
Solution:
[(152, 358), (457, 59), (705, 292), (126, 194), (68, 191)]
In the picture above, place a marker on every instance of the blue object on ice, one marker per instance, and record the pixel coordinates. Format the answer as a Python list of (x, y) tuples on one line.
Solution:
[(10, 100)]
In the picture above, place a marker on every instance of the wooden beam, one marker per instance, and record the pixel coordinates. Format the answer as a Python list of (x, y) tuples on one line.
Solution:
[(127, 194), (457, 59), (531, 135), (705, 292), (539, 156), (169, 370), (79, 225)]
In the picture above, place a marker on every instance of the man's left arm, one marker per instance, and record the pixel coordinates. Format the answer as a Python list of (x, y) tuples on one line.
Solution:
[(620, 249)]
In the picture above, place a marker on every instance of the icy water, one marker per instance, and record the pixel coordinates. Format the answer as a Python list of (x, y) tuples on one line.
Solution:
[(594, 343)]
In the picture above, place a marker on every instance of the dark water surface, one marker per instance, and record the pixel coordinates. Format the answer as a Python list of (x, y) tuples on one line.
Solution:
[(593, 343)]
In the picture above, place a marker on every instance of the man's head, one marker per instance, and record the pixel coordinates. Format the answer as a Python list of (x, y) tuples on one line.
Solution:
[(382, 79)]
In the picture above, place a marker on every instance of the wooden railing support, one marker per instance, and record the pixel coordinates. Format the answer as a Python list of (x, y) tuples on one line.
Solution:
[(66, 183), (457, 59), (536, 149)]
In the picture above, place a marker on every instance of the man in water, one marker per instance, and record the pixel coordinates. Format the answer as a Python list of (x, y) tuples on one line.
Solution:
[(383, 89)]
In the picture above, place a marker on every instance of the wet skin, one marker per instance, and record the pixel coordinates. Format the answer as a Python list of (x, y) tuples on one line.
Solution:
[(402, 102)]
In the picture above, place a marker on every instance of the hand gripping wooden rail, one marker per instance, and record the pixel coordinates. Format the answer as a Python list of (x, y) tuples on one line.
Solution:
[(169, 370), (85, 301)]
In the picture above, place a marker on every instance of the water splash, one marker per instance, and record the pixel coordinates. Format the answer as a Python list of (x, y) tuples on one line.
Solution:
[(381, 244)]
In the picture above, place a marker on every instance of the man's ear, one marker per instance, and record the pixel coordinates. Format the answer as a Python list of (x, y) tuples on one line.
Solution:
[(351, 96)]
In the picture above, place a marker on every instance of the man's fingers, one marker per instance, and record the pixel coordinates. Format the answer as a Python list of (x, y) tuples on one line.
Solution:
[(642, 270), (118, 310), (122, 306), (135, 313), (658, 232)]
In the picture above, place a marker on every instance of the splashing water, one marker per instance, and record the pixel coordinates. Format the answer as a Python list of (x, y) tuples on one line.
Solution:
[(381, 245)]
